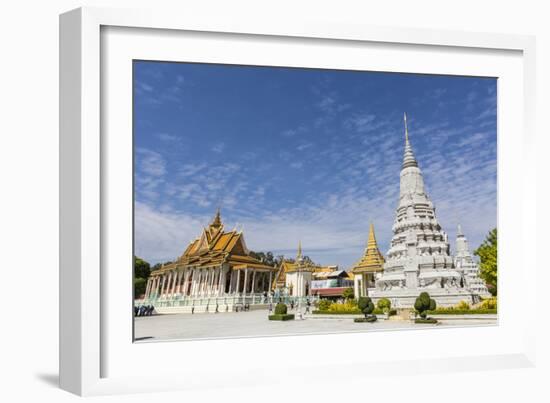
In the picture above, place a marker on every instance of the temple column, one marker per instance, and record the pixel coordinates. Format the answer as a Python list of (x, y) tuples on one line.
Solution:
[(167, 285), (238, 281), (147, 287), (270, 276), (178, 282), (199, 281), (185, 281), (245, 281), (182, 282), (218, 280), (174, 282), (253, 282), (212, 276), (222, 281), (157, 283), (164, 281), (193, 282), (232, 281)]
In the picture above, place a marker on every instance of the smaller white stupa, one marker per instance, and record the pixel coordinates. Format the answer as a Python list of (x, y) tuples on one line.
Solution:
[(466, 264)]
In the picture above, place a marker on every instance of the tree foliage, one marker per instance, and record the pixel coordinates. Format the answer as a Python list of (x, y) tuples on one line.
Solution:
[(365, 305), (142, 269), (140, 285), (424, 303), (384, 304), (487, 253), (267, 258), (348, 293)]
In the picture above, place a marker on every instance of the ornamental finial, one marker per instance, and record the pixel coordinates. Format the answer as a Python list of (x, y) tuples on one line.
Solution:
[(406, 129)]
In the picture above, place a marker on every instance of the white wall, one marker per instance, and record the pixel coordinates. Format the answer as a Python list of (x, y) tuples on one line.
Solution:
[(29, 212)]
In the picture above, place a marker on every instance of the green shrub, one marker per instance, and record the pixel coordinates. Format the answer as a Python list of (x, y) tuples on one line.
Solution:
[(454, 311), (324, 304), (331, 312), (283, 317), (384, 304), (365, 305), (349, 306), (463, 305), (426, 320), (424, 303), (368, 319), (348, 293), (489, 303), (281, 309)]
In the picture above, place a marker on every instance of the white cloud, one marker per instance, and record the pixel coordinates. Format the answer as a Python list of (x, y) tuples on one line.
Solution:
[(150, 162), (218, 147)]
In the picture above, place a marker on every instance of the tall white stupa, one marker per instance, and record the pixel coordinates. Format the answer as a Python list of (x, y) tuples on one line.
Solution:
[(468, 267), (419, 257)]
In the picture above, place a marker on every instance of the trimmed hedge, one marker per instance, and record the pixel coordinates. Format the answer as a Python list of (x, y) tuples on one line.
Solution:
[(462, 311), (319, 312), (283, 317), (368, 319), (280, 309), (356, 312), (427, 320)]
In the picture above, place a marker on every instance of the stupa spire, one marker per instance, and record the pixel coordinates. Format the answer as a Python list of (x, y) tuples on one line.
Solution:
[(409, 159), (299, 254), (372, 260), (217, 221), (371, 243)]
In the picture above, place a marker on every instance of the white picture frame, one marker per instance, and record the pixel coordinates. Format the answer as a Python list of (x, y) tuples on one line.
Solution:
[(93, 348)]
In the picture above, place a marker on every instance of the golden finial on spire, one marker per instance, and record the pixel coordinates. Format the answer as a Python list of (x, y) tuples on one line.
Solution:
[(217, 221)]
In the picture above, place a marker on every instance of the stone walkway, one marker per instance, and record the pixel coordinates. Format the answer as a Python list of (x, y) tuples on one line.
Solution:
[(255, 323)]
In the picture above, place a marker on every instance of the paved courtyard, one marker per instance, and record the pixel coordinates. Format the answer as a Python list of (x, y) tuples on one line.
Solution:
[(255, 323)]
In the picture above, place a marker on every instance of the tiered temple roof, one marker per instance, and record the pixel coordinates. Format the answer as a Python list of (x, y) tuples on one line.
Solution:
[(372, 260), (215, 247)]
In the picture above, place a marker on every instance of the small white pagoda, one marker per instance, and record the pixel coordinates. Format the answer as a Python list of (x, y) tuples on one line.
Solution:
[(466, 265), (419, 257)]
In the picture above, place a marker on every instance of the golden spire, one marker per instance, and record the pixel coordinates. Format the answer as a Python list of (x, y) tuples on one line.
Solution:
[(217, 221), (372, 259), (299, 255), (371, 243)]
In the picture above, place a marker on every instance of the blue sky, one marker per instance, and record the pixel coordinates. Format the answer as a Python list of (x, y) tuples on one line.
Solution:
[(305, 154)]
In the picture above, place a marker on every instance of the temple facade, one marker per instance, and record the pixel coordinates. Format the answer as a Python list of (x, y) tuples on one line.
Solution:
[(301, 278), (215, 270), (467, 266), (419, 256), (366, 269)]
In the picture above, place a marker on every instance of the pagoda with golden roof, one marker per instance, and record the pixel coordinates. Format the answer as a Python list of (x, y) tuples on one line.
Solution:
[(372, 262), (216, 264)]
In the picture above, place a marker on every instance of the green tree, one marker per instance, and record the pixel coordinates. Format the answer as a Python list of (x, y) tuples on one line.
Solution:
[(348, 293), (487, 253), (142, 269), (424, 303), (140, 285), (366, 305)]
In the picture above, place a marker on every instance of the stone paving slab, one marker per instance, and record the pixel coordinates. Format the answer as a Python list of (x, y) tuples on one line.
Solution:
[(255, 323)]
